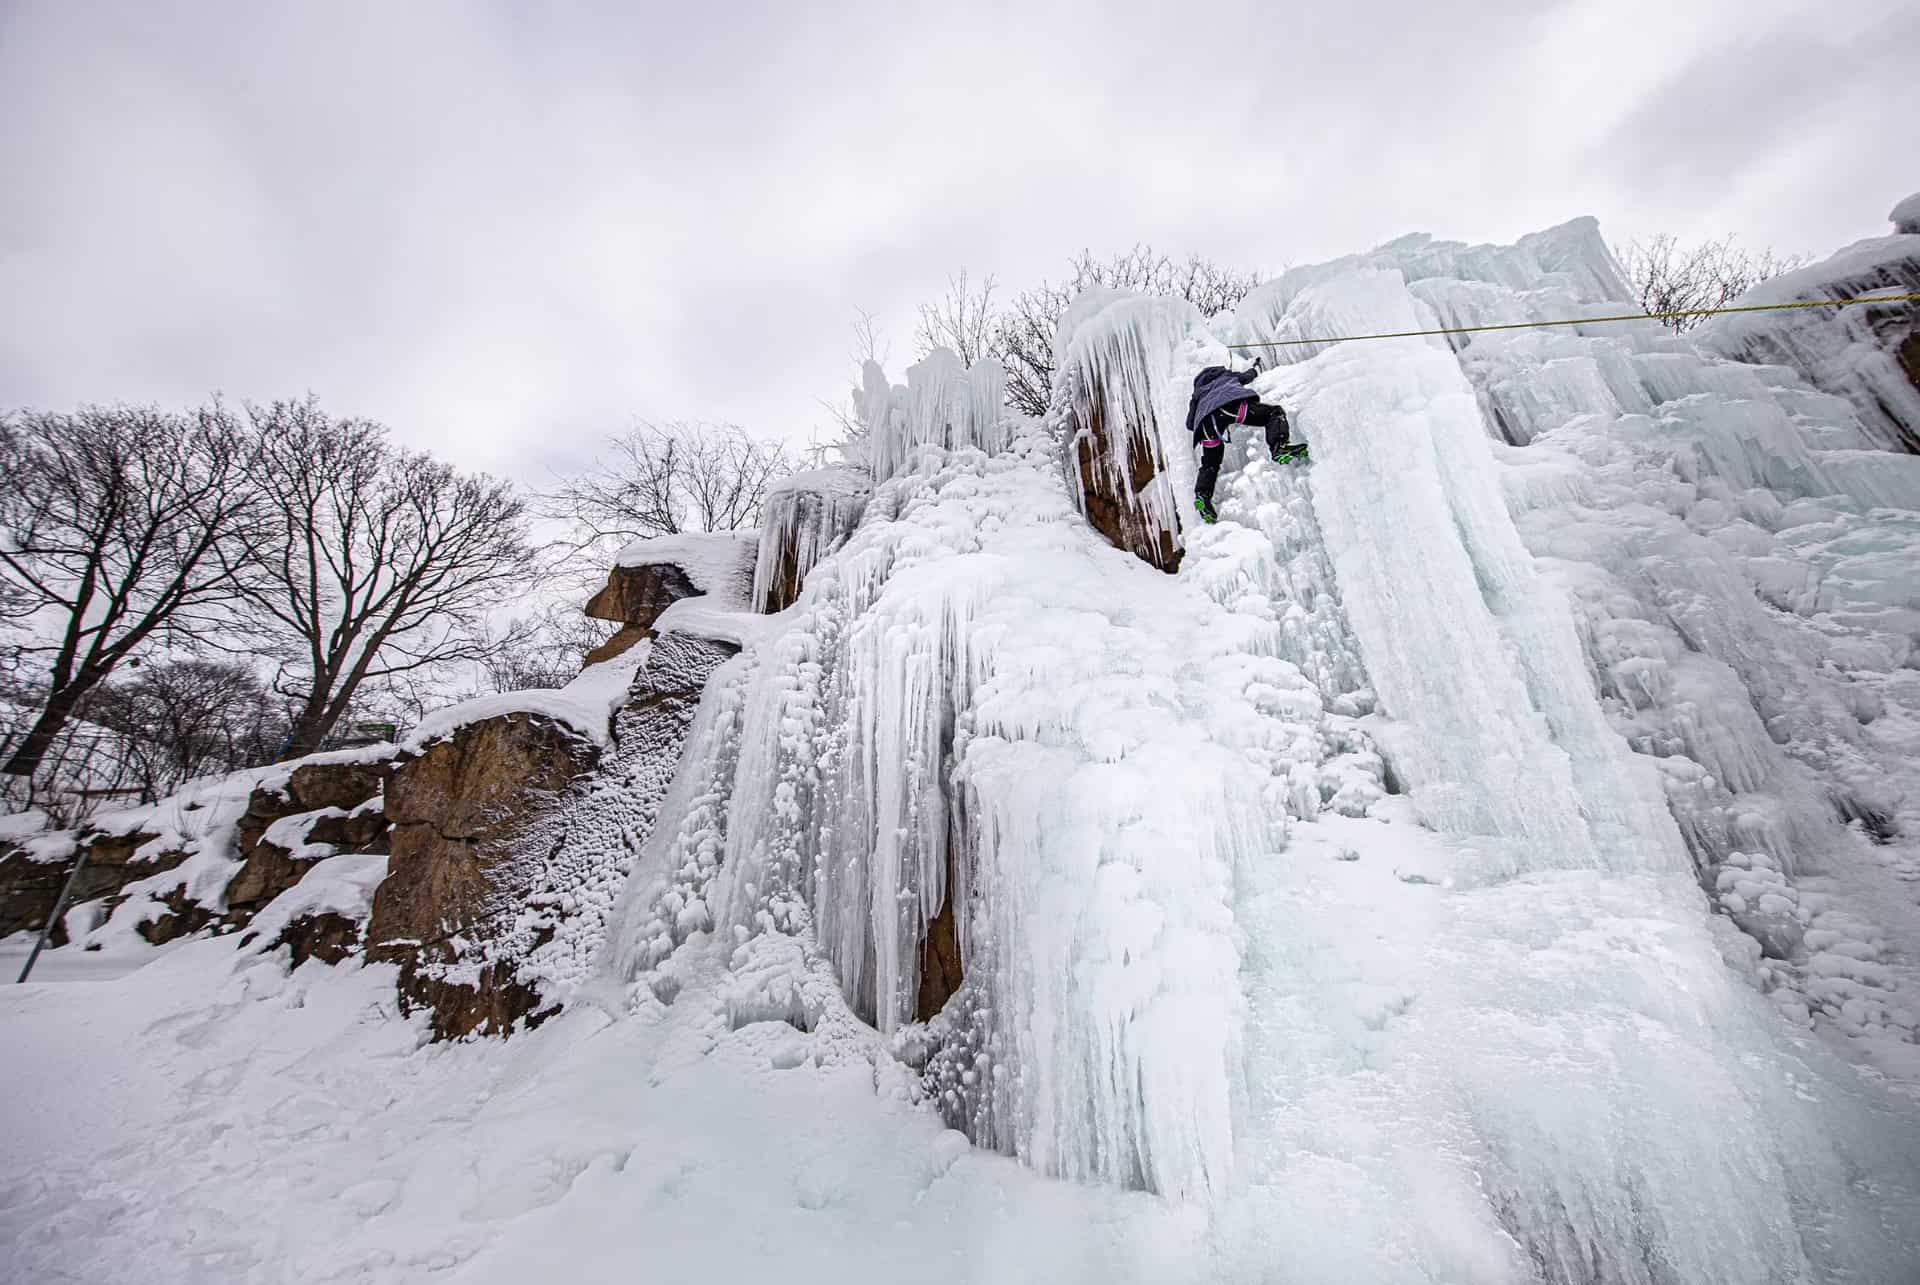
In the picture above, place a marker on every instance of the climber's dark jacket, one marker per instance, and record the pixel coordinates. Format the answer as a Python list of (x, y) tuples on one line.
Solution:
[(1216, 388), (1222, 400)]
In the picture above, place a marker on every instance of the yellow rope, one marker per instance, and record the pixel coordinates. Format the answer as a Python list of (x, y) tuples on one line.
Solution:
[(1584, 321)]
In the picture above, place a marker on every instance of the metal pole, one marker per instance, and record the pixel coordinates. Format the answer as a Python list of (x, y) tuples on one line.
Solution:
[(59, 908)]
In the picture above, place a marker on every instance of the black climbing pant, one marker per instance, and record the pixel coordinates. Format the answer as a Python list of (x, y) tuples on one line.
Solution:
[(1271, 418)]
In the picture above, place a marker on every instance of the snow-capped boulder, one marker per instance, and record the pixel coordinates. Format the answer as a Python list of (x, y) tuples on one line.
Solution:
[(32, 873), (651, 575), (214, 852), (325, 915), (515, 821)]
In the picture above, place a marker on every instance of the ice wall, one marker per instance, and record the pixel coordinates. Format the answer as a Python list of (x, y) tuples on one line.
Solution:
[(1204, 948), (1739, 557), (1503, 683), (1867, 353), (976, 703), (1472, 654)]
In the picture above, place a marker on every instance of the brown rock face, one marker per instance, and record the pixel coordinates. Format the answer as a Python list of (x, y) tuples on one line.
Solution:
[(182, 918), (512, 840), (30, 889), (1111, 501), (346, 786), (336, 789), (636, 596), (458, 811), (327, 937), (940, 972)]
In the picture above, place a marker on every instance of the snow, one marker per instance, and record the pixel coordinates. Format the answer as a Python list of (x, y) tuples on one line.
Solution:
[(585, 706), (22, 825), (1905, 215), (700, 617), (715, 561), (290, 833), (821, 481), (342, 885), (277, 1125)]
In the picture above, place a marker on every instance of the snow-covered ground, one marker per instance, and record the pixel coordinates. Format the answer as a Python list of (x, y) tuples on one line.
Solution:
[(210, 1117), (1484, 861)]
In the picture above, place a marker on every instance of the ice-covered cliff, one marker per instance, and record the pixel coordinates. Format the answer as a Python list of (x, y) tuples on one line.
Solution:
[(1458, 847), (1867, 353)]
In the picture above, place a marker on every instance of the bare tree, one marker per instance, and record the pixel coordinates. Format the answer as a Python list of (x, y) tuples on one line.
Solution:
[(1023, 334), (386, 561), (867, 342), (183, 718), (661, 479), (119, 525), (1668, 277), (547, 649), (963, 320)]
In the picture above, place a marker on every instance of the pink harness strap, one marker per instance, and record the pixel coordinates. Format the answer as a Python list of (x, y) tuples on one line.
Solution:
[(1239, 417)]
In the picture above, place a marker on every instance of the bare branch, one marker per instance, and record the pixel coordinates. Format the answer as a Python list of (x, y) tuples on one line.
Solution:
[(387, 560), (1669, 277), (659, 479), (119, 526), (963, 320)]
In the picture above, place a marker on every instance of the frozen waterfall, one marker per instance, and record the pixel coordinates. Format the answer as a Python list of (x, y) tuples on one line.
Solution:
[(1475, 863)]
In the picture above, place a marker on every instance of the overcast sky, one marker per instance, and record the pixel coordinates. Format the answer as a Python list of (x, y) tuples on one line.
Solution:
[(506, 229)]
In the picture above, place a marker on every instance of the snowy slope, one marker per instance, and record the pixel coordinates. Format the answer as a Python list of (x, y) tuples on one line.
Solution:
[(1481, 862)]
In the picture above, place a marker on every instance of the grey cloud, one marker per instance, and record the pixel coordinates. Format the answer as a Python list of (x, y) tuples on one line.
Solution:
[(507, 229)]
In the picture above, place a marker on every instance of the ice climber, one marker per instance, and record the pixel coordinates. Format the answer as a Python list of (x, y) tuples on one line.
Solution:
[(1221, 402)]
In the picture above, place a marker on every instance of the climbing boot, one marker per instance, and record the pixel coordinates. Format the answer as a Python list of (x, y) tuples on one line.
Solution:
[(1205, 506), (1292, 453)]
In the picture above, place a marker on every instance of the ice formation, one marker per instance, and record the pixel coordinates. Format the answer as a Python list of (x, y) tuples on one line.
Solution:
[(943, 403), (1628, 627), (1867, 353), (807, 516)]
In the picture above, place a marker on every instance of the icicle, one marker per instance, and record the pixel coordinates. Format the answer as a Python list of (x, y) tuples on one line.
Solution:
[(943, 403), (806, 516), (1116, 398)]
